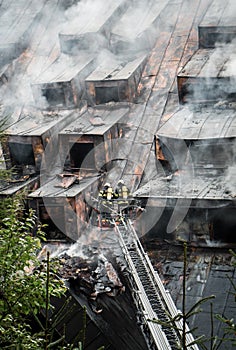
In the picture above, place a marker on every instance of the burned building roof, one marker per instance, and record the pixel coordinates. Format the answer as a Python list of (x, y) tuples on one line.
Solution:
[(115, 80), (208, 76), (98, 120), (35, 122), (16, 22), (62, 84), (203, 184), (201, 123), (218, 24), (127, 35), (202, 202), (95, 21)]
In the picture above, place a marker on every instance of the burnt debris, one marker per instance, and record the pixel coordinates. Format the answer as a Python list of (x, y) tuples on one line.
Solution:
[(92, 276)]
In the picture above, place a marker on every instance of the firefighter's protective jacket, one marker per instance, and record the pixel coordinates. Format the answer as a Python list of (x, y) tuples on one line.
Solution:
[(107, 194), (123, 194)]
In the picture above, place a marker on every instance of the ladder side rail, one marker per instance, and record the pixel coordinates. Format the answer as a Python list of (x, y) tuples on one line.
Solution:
[(144, 259), (179, 324), (170, 305), (155, 329)]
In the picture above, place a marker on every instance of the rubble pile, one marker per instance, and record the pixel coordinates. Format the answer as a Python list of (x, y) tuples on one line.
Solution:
[(90, 276)]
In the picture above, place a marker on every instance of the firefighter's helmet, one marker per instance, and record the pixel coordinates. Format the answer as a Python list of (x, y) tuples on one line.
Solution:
[(121, 182)]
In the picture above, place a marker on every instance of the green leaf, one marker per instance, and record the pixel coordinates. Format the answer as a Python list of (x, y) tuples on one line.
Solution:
[(197, 304)]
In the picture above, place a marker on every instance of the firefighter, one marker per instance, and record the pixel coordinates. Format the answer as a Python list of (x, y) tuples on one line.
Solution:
[(123, 193), (106, 195)]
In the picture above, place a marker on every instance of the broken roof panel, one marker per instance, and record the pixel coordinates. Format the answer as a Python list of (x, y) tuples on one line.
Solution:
[(28, 137), (34, 122), (205, 184), (52, 188), (96, 121), (91, 143), (12, 187)]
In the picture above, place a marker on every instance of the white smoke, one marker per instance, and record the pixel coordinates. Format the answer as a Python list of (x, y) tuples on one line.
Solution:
[(42, 50), (85, 19), (230, 181), (219, 74)]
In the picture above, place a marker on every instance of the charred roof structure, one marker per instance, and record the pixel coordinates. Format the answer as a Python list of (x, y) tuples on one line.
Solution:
[(62, 84), (127, 36), (86, 144), (218, 25), (196, 144), (117, 81), (138, 90), (14, 40), (93, 30), (208, 77)]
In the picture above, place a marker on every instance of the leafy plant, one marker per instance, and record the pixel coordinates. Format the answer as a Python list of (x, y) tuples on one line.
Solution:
[(26, 283), (179, 322)]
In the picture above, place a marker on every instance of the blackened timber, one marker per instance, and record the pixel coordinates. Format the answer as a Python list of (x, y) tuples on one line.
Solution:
[(72, 325), (207, 77), (203, 186), (117, 323), (65, 209), (62, 84), (218, 24), (11, 188), (115, 79), (32, 132), (90, 143)]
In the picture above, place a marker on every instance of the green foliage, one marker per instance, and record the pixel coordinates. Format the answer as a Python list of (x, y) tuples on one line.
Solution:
[(179, 322), (26, 283)]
